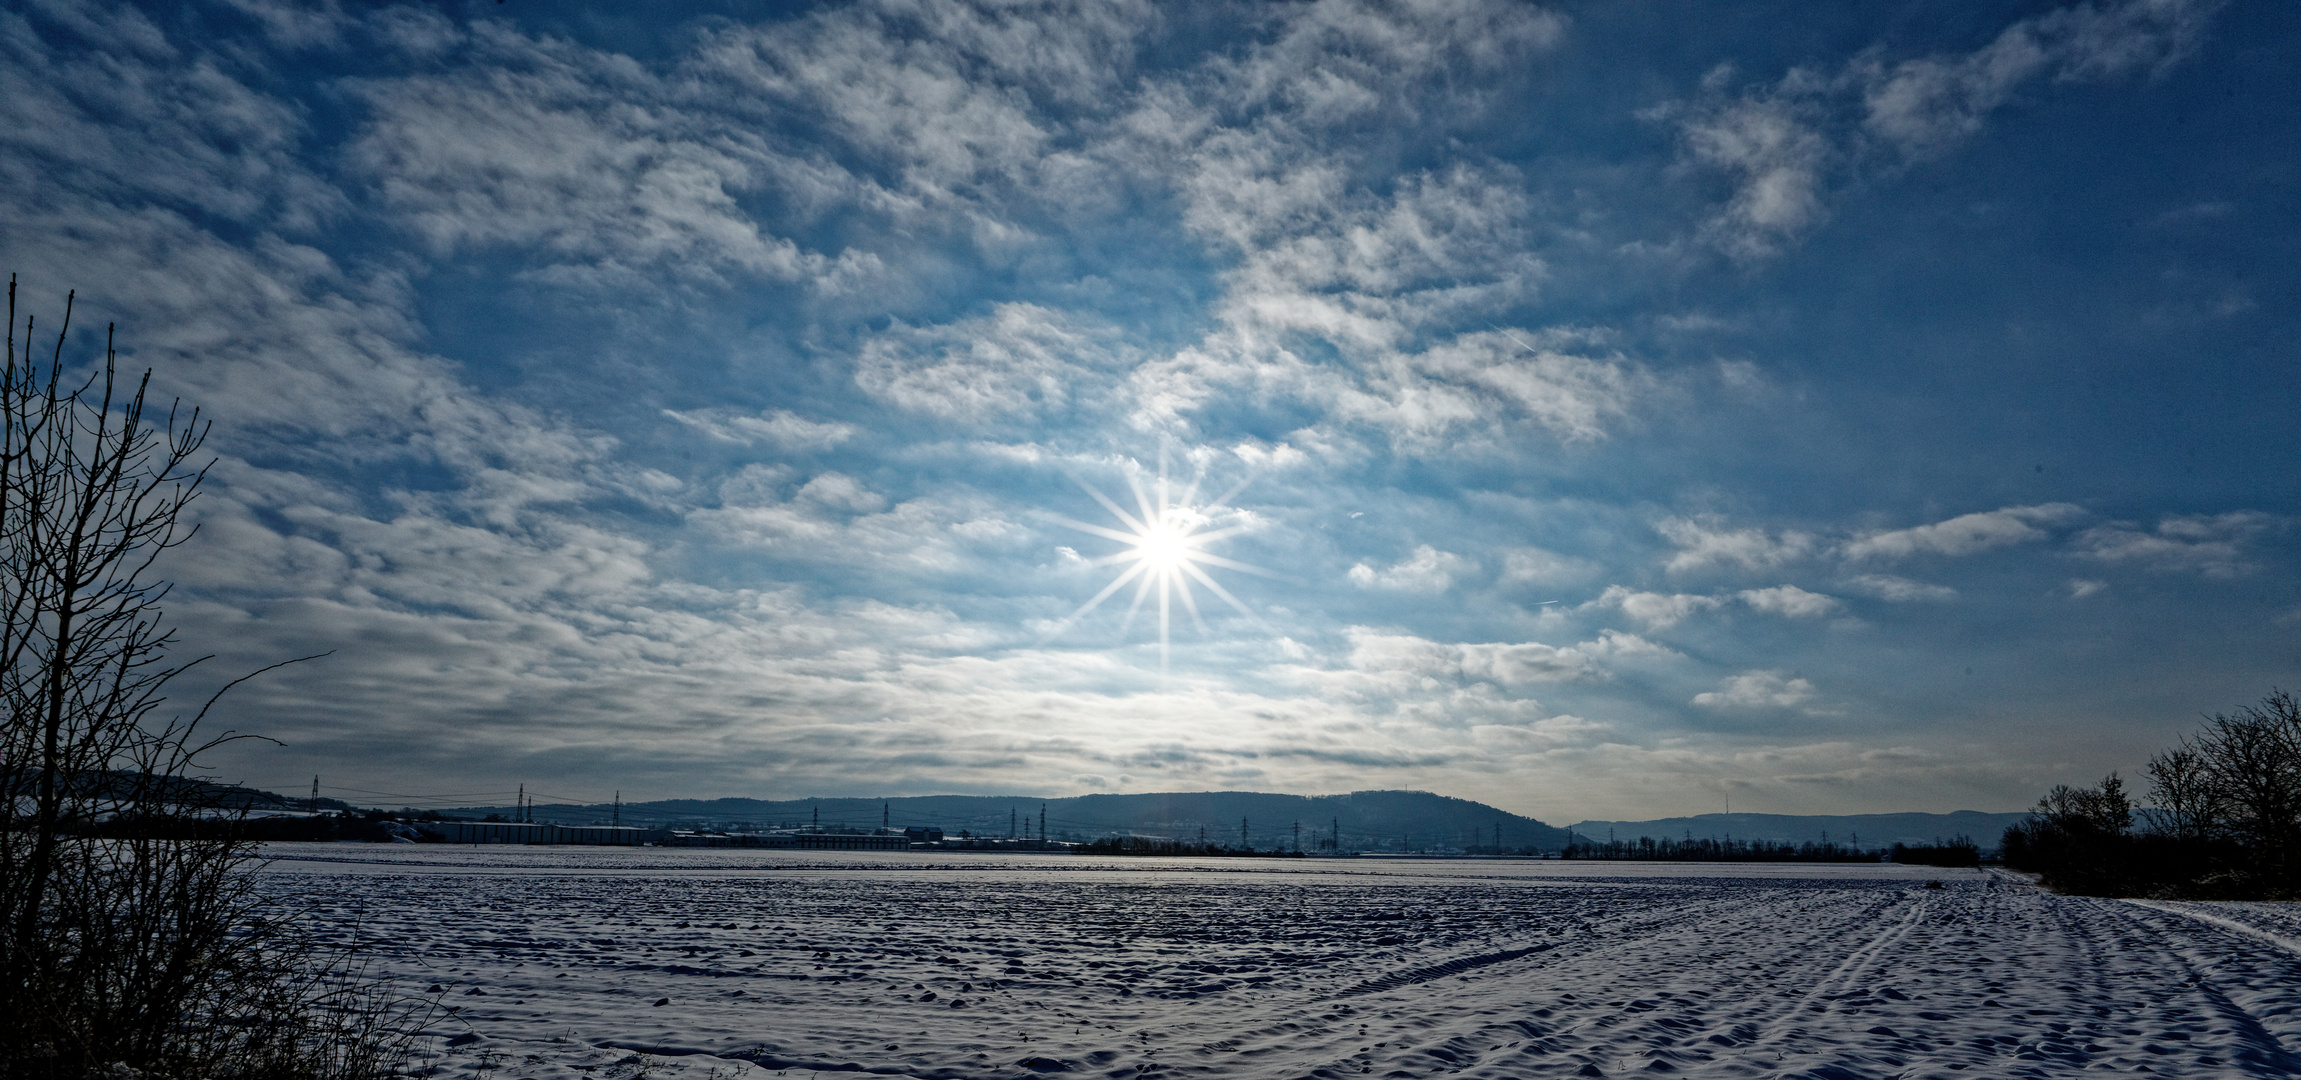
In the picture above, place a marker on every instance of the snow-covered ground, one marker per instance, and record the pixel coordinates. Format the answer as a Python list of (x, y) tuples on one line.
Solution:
[(587, 962)]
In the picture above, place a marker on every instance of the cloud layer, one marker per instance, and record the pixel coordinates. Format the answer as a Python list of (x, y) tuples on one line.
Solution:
[(701, 407)]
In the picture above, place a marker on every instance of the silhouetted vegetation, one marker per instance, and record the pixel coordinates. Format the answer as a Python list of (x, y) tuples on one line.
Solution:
[(1711, 849), (2225, 824), (1956, 851), (1154, 845), (133, 941)]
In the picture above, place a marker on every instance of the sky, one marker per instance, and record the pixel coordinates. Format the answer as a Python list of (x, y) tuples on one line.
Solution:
[(1596, 410)]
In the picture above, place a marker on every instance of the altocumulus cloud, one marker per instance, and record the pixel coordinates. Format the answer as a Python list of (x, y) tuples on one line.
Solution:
[(705, 405)]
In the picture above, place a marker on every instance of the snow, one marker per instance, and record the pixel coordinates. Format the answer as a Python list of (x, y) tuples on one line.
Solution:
[(715, 964)]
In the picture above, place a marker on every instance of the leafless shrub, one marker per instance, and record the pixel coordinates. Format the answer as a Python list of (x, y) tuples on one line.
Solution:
[(2237, 783), (133, 941)]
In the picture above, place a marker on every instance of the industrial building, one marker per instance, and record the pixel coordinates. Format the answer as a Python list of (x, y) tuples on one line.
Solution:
[(515, 832)]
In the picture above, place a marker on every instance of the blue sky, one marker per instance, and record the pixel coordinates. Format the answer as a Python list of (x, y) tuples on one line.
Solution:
[(1839, 408)]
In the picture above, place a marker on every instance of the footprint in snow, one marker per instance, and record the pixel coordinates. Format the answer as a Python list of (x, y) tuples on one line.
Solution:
[(662, 1001)]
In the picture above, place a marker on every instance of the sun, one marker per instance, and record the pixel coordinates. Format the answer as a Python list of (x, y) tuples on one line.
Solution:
[(1166, 548), (1165, 537)]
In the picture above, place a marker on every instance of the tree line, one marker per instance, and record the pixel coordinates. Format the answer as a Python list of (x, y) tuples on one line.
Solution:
[(2224, 821), (1158, 845), (1712, 849)]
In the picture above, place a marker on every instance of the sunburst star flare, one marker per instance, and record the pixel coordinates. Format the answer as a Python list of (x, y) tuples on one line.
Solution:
[(1166, 537)]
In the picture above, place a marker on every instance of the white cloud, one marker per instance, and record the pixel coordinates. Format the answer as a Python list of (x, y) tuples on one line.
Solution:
[(2080, 588), (1540, 566), (1352, 282), (1790, 601), (1768, 146), (1021, 360), (1614, 643), (780, 427), (1280, 456), (1780, 147), (1704, 544), (1966, 533), (841, 492), (1399, 663), (1899, 589), (1427, 570), (939, 97), (585, 158), (1524, 663), (2214, 545), (1659, 611), (1757, 690), (1925, 105)]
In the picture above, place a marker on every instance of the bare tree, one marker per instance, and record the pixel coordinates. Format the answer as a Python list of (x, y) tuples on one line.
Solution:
[(2188, 802), (2238, 781), (129, 924)]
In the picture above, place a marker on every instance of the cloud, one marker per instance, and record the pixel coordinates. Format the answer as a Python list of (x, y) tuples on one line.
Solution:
[(888, 265), (1790, 601), (1705, 544), (1781, 147), (1353, 287), (587, 160), (101, 106), (1757, 690), (1768, 146), (1614, 643), (1021, 360), (2213, 545), (1540, 566), (1659, 611), (1402, 660), (1899, 589), (779, 427), (1465, 391), (935, 101), (1926, 105), (1427, 570), (1966, 533)]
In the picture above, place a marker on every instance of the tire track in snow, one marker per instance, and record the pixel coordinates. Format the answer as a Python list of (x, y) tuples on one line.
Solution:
[(1439, 971), (1789, 1021), (2235, 926), (2262, 1043)]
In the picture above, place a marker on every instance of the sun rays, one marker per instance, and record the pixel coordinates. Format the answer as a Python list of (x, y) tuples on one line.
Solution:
[(1165, 537)]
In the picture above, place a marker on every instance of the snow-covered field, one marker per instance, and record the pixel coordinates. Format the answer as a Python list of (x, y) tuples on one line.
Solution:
[(576, 962)]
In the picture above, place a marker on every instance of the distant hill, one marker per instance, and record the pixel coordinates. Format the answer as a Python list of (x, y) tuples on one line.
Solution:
[(1873, 830), (1369, 820)]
